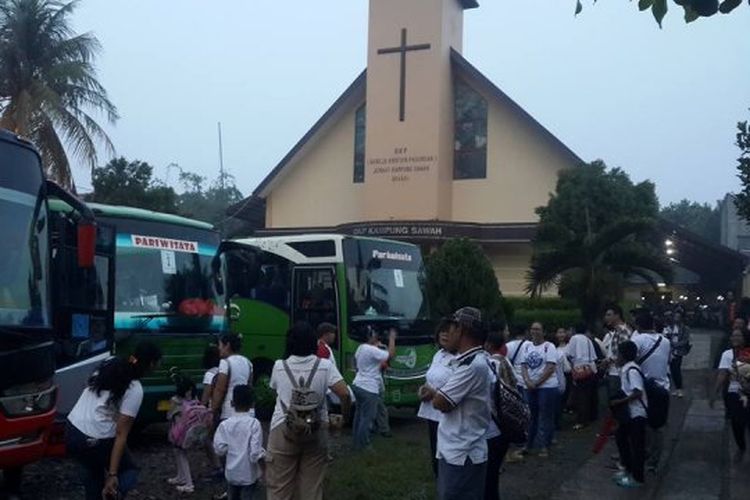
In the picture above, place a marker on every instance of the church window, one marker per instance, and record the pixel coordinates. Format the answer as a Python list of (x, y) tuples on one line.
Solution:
[(360, 124), (470, 150)]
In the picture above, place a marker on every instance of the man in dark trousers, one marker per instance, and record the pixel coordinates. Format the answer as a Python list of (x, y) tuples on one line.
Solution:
[(465, 403)]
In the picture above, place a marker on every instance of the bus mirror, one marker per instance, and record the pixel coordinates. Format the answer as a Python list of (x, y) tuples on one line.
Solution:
[(86, 244), (216, 268), (234, 312)]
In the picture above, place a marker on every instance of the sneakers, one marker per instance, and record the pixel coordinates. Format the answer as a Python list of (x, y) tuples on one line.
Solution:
[(515, 456), (678, 394), (175, 481), (622, 473), (544, 453), (628, 482), (185, 488)]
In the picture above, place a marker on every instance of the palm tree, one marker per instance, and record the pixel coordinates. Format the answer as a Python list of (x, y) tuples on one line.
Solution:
[(593, 266), (48, 85)]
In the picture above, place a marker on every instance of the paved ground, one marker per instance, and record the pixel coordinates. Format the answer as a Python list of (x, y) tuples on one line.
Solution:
[(696, 462)]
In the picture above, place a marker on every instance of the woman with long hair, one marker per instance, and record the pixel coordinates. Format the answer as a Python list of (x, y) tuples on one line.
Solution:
[(100, 422), (234, 369)]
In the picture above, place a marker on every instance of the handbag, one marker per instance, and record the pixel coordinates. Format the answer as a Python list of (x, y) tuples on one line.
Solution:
[(585, 372)]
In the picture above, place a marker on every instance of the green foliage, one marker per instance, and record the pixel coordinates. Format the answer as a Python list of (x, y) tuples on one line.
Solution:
[(702, 219), (459, 274), (540, 303), (210, 203), (743, 169), (596, 230), (48, 85), (552, 319), (692, 9), (131, 183)]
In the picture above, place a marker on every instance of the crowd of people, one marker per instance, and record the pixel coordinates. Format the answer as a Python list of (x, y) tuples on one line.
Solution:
[(491, 394)]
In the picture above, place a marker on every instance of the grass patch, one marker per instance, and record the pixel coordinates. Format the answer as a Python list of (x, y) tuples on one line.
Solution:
[(393, 468)]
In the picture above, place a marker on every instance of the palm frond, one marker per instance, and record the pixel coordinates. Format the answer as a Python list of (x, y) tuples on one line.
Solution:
[(617, 232)]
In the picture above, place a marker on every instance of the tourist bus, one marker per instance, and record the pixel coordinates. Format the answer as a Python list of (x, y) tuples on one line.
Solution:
[(163, 291), (32, 332), (355, 283)]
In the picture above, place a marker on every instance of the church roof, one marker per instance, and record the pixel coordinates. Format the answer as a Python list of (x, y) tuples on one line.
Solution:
[(354, 95)]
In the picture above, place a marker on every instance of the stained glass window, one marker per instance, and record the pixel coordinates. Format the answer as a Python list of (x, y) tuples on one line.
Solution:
[(360, 128), (470, 150)]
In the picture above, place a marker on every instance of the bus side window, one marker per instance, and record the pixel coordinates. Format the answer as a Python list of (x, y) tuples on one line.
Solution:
[(315, 296), (259, 276)]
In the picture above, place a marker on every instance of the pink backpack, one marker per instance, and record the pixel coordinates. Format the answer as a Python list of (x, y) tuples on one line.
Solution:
[(192, 426)]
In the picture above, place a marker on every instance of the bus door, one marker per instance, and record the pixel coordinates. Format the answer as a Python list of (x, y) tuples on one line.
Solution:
[(83, 308), (316, 297)]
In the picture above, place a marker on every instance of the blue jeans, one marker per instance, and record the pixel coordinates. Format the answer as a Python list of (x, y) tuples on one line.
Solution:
[(542, 403), (461, 482), (364, 416)]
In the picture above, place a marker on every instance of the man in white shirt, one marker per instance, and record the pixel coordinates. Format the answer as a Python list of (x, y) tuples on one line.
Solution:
[(515, 356), (461, 442), (653, 357), (367, 384), (617, 333)]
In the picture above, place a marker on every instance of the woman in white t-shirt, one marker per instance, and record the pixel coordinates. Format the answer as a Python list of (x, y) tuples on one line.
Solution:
[(99, 423), (369, 359), (297, 465), (234, 369), (539, 364), (211, 360), (737, 406), (435, 378)]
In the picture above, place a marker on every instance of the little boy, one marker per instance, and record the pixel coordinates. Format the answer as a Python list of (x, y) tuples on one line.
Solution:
[(240, 439), (631, 433)]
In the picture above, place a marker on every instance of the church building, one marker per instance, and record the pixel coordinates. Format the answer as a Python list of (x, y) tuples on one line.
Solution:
[(421, 147)]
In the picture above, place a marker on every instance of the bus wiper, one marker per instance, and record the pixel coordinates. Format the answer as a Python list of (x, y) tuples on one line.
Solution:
[(147, 317)]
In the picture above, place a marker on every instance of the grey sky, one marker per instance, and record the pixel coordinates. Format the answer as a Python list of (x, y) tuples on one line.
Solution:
[(662, 104)]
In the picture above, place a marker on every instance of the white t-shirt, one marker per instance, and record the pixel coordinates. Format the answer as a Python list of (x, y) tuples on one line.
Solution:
[(515, 358), (325, 377), (462, 431), (630, 380), (656, 366), (95, 418), (725, 363), (581, 351), (436, 377), (536, 358), (240, 371), (208, 377), (240, 439), (368, 359)]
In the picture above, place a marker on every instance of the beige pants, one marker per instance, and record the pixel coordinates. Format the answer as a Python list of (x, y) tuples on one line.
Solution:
[(295, 471)]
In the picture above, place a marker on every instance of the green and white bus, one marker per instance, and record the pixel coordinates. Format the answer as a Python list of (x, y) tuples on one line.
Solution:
[(163, 291), (353, 282)]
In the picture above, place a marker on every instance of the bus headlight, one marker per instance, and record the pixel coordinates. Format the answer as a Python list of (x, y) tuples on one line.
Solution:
[(29, 400)]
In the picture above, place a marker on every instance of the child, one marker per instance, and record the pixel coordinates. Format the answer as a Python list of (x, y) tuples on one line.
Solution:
[(211, 358), (185, 392), (240, 439), (631, 433)]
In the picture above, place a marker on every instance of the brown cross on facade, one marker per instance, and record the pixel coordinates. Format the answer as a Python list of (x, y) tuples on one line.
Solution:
[(403, 49)]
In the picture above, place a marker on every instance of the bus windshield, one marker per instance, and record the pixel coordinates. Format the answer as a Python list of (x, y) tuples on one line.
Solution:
[(164, 279), (23, 246), (385, 281)]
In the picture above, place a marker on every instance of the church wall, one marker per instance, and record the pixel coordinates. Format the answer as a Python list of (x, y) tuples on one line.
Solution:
[(510, 262), (319, 190), (522, 168)]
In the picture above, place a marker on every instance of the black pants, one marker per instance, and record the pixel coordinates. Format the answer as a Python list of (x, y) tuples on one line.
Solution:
[(496, 450), (585, 400), (631, 444), (739, 417), (432, 428), (675, 368), (93, 455)]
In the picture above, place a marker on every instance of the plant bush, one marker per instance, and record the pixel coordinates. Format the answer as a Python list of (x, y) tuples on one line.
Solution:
[(552, 319), (540, 303)]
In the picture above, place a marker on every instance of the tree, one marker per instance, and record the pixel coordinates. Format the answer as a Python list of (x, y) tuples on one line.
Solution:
[(743, 168), (458, 275), (693, 9), (702, 219), (209, 204), (131, 183), (596, 230), (48, 84)]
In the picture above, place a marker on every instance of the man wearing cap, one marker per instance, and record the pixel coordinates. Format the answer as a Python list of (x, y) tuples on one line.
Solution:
[(461, 439)]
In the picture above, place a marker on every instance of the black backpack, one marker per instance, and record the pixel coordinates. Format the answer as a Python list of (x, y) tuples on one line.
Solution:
[(510, 412)]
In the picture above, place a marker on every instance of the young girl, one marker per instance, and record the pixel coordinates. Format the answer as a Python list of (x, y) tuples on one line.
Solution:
[(184, 393)]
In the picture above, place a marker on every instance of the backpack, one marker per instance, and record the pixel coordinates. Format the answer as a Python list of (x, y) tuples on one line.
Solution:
[(510, 412), (192, 425), (303, 412)]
